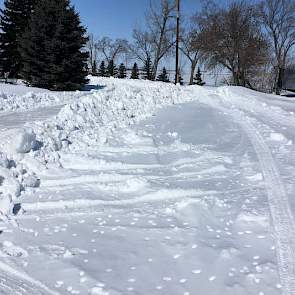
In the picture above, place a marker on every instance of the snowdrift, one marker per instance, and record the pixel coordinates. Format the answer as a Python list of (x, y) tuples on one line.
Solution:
[(90, 120)]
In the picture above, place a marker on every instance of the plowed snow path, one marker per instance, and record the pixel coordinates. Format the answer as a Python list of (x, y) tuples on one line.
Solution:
[(282, 217), (160, 209)]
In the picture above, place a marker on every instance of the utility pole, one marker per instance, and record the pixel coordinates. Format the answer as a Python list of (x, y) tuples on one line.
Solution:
[(177, 41)]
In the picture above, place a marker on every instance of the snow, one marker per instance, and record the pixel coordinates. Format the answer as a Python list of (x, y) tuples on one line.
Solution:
[(24, 141), (147, 188)]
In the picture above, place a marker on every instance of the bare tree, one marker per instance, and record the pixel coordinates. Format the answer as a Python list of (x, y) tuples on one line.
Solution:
[(91, 48), (278, 17), (112, 49), (142, 48), (232, 38), (191, 47), (156, 41)]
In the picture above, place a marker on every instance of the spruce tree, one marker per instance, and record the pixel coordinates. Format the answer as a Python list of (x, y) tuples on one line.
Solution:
[(112, 69), (122, 71), (163, 77), (135, 72), (52, 47), (147, 69), (14, 19), (102, 70), (198, 78)]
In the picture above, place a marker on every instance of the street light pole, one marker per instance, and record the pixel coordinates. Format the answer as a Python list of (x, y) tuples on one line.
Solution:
[(177, 41)]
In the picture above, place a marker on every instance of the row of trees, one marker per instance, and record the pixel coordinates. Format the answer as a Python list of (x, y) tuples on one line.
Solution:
[(43, 42), (145, 73), (253, 42)]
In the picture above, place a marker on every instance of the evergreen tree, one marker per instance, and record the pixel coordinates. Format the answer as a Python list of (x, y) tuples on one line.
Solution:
[(52, 47), (147, 69), (198, 78), (14, 19), (102, 70), (122, 71), (163, 77), (112, 69), (135, 72), (180, 78)]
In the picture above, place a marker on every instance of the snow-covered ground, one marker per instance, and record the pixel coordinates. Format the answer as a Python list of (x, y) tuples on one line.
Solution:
[(148, 188)]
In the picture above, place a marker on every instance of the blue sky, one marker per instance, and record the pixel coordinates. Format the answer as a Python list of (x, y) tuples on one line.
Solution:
[(116, 18)]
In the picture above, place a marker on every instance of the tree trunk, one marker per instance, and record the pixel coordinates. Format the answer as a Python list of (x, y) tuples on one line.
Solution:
[(280, 79), (193, 69), (236, 78)]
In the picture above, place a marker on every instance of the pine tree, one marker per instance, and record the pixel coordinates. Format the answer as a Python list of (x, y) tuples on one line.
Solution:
[(14, 19), (102, 70), (122, 71), (112, 69), (180, 78), (147, 69), (52, 47), (135, 72), (163, 77), (198, 78)]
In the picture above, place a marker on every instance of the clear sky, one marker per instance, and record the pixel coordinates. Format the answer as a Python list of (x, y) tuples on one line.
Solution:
[(116, 18)]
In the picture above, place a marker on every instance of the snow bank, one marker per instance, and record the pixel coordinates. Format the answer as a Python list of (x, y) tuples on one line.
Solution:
[(20, 97), (83, 122), (91, 120)]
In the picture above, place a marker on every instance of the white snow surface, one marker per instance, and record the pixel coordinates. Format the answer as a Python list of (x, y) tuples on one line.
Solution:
[(141, 187)]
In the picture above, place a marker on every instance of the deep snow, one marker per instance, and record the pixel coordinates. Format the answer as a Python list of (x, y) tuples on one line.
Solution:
[(149, 188)]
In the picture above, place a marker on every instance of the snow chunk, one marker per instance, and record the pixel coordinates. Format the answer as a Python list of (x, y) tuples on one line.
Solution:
[(24, 141), (277, 137)]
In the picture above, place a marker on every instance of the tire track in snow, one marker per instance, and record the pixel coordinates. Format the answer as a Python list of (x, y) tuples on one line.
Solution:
[(281, 215)]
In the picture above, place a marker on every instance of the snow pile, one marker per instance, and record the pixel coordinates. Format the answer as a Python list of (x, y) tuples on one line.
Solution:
[(14, 179), (24, 141), (86, 122), (12, 99), (92, 119)]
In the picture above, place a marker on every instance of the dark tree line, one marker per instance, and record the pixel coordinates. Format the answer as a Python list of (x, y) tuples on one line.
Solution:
[(43, 43), (136, 73)]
